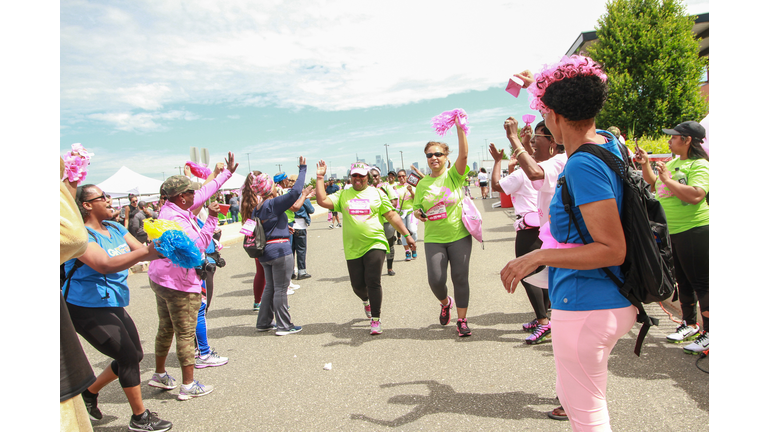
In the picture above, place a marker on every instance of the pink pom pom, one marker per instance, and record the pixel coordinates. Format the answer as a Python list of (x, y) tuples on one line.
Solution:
[(567, 67), (198, 171), (445, 121)]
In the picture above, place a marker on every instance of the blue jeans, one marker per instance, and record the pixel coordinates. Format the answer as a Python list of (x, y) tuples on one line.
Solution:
[(201, 331), (235, 214), (300, 249)]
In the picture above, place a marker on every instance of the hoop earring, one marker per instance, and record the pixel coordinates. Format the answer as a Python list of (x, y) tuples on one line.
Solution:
[(551, 151), (183, 201)]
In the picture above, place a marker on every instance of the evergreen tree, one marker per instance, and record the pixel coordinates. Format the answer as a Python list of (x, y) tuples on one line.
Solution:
[(650, 54)]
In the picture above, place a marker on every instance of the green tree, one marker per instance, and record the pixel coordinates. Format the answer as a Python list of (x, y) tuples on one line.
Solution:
[(652, 60)]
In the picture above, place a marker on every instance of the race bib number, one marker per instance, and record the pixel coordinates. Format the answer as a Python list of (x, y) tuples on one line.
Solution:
[(248, 227), (437, 212), (358, 207)]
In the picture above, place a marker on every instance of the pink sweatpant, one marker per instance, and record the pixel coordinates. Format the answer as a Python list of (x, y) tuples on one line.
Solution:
[(582, 342)]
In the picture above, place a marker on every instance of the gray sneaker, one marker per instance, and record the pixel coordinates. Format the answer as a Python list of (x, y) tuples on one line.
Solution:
[(295, 329), (211, 360), (164, 381), (195, 390)]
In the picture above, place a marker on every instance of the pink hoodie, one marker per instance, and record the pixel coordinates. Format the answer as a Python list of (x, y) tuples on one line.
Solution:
[(162, 271)]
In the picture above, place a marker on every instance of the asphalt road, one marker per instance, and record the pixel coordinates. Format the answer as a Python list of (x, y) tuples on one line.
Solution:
[(417, 375)]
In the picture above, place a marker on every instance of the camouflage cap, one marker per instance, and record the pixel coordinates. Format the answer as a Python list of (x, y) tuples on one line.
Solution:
[(176, 185)]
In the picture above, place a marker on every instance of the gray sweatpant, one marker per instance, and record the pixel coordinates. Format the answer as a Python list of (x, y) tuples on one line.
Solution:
[(438, 256), (274, 301)]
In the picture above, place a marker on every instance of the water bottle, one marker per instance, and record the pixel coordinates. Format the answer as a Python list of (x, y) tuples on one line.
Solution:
[(681, 178)]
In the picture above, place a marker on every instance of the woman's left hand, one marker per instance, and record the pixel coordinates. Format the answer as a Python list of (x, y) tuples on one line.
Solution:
[(213, 209), (231, 165), (517, 269), (664, 174), (411, 243), (302, 160)]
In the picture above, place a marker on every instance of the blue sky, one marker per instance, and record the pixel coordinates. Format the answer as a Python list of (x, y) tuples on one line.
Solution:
[(143, 81)]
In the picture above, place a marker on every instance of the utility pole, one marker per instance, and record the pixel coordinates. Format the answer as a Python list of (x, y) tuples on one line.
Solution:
[(249, 161), (179, 169), (486, 146), (278, 167), (386, 148), (402, 164)]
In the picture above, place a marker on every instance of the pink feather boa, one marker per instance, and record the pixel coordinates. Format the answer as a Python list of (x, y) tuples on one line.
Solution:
[(445, 121), (567, 67)]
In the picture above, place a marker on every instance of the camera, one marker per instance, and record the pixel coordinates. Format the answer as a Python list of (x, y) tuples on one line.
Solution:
[(204, 269)]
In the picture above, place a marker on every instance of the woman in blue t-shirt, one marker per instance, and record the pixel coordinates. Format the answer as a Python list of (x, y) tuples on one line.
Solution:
[(589, 314), (97, 294)]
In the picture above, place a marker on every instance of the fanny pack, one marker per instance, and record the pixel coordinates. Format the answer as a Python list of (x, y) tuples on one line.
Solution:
[(526, 221)]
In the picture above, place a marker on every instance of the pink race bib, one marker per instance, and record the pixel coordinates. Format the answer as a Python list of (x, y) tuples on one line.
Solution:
[(359, 207), (437, 212)]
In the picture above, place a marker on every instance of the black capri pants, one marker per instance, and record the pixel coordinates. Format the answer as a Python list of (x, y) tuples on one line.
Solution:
[(112, 332)]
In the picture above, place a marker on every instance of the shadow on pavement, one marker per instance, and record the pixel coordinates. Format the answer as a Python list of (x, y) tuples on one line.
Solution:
[(443, 399)]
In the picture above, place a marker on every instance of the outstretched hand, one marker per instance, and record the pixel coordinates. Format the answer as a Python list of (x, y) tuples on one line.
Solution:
[(526, 76), (302, 160), (496, 154), (510, 126), (231, 165), (321, 168)]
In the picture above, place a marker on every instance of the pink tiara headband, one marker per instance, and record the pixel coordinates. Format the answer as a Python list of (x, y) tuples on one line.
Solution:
[(567, 67)]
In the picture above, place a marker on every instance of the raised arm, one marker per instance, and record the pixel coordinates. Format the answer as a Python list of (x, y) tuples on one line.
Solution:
[(526, 161), (322, 198), (498, 156), (461, 160)]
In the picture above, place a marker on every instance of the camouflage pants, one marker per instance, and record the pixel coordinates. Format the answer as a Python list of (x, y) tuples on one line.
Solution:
[(177, 314)]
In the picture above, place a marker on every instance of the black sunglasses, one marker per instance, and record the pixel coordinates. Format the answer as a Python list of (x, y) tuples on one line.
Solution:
[(102, 196), (438, 154)]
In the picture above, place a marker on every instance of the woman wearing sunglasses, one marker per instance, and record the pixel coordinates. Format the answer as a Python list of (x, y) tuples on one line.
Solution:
[(363, 209), (97, 294), (405, 195), (437, 203)]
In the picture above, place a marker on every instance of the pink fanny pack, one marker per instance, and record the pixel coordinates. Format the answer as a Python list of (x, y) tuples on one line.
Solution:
[(549, 242)]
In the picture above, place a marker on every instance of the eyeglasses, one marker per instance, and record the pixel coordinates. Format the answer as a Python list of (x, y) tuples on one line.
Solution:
[(103, 196), (438, 154), (540, 136), (402, 175)]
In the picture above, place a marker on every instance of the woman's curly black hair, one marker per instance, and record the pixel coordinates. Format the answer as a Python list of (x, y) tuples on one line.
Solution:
[(577, 98)]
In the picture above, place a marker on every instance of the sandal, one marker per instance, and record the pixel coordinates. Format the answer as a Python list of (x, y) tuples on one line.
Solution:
[(558, 414)]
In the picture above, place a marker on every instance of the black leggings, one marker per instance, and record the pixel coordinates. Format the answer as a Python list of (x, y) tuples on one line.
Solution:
[(528, 241), (690, 250), (457, 253), (365, 276), (112, 332)]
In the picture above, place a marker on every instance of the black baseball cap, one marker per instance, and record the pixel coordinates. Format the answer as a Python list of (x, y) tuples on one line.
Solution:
[(688, 128)]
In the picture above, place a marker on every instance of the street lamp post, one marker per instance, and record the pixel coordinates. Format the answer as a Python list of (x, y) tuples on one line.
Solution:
[(249, 161), (179, 169), (278, 167), (402, 163)]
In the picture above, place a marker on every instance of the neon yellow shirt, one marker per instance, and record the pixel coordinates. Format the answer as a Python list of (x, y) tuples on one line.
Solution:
[(440, 198), (681, 217), (362, 213)]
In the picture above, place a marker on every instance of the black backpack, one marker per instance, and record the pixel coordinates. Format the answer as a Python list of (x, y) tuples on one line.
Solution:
[(255, 243), (648, 267)]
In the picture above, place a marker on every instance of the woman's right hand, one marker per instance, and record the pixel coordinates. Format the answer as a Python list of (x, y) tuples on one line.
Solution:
[(420, 215), (510, 126), (302, 160), (526, 134), (321, 168), (641, 156), (496, 154), (526, 76)]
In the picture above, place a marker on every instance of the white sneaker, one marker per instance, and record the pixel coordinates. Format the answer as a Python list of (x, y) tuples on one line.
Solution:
[(683, 333), (294, 286), (289, 292), (699, 345)]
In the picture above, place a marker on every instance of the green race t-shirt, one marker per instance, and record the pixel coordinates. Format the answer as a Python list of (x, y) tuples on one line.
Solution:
[(406, 198), (289, 212), (440, 198), (361, 212), (684, 217)]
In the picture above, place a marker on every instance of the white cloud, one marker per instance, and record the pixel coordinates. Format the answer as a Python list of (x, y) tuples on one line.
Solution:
[(142, 122), (333, 55)]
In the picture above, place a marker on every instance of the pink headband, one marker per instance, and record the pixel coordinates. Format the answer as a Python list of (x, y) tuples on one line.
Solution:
[(568, 67)]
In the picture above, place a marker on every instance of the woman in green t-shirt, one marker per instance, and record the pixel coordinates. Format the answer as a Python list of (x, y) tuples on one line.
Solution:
[(365, 244), (681, 187), (437, 203)]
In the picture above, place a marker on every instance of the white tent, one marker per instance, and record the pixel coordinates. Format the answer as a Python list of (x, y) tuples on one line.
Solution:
[(234, 182), (125, 182)]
